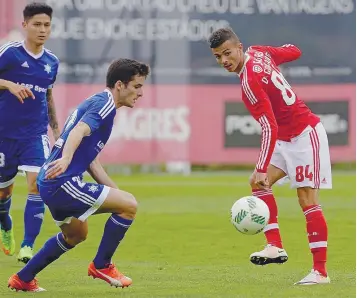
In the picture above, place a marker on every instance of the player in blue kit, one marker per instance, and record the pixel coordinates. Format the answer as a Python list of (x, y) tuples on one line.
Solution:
[(27, 73), (70, 199)]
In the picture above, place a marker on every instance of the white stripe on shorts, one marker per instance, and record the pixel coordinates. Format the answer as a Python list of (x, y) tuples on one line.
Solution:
[(81, 194), (316, 157), (76, 194)]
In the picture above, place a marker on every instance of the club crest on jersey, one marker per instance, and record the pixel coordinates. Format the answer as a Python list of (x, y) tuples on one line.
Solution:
[(47, 68), (257, 68)]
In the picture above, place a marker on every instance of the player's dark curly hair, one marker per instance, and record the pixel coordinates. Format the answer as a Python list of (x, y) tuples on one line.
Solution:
[(37, 8), (220, 36), (124, 70)]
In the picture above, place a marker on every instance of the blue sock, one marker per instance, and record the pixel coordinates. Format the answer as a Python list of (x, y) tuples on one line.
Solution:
[(33, 218), (114, 232), (50, 252), (5, 218)]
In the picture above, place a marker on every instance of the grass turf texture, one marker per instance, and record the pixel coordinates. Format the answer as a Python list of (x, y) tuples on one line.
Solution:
[(183, 245)]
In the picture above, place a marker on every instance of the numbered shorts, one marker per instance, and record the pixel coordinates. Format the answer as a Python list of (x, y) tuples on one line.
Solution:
[(27, 155), (73, 198), (306, 159)]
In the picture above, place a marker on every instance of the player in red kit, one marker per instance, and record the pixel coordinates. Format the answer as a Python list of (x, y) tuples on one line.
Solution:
[(293, 143)]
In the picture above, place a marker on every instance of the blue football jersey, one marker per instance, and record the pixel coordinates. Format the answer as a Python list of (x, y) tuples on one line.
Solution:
[(98, 112), (38, 73)]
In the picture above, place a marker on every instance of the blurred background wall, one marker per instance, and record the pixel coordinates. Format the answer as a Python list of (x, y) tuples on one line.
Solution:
[(192, 112)]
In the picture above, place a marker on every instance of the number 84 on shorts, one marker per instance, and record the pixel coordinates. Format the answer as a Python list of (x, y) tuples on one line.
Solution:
[(305, 159)]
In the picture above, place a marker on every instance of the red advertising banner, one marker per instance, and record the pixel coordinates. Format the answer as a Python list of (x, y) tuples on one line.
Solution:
[(207, 124)]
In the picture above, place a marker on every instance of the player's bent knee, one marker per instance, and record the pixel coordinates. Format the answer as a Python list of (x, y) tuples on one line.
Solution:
[(131, 207), (75, 239), (119, 202), (75, 232)]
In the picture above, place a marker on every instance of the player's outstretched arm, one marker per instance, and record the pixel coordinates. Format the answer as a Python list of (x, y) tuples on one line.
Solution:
[(75, 137), (98, 173), (52, 115), (21, 92), (285, 53)]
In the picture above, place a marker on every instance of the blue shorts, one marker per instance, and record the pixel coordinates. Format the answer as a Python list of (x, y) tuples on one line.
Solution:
[(27, 155), (73, 198)]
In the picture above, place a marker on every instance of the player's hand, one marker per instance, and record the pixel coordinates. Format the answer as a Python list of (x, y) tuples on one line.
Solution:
[(21, 92), (261, 180), (57, 167)]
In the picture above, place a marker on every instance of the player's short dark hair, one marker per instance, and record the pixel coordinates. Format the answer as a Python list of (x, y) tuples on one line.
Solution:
[(220, 36), (35, 8), (124, 70)]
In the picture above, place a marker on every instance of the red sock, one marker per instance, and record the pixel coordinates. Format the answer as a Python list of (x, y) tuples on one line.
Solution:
[(317, 233), (271, 231)]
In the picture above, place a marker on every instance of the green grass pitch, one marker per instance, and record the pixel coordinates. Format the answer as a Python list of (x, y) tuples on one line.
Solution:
[(182, 244)]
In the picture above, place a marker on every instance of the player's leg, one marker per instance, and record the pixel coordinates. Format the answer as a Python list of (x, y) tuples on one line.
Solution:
[(70, 205), (32, 156), (309, 170), (122, 206), (271, 231), (316, 228), (8, 171), (33, 218), (72, 234), (273, 252), (6, 233)]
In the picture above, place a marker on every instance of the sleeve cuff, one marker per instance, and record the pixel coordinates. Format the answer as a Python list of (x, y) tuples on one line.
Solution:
[(261, 170)]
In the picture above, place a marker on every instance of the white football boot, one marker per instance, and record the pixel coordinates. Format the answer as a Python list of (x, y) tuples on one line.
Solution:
[(314, 278), (270, 254)]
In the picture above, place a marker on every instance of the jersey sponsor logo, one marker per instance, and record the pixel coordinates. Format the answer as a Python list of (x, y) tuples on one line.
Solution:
[(33, 87)]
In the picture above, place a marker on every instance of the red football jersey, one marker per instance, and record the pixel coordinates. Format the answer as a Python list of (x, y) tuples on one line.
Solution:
[(271, 100)]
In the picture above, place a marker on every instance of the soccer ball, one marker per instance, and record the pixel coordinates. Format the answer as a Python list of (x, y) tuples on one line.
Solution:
[(250, 215)]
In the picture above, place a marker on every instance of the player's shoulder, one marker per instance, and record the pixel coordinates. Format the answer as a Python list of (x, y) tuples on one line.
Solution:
[(256, 48), (103, 103), (10, 47), (51, 56)]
